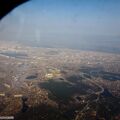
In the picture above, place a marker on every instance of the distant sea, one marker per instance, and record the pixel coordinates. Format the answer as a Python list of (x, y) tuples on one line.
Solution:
[(109, 46)]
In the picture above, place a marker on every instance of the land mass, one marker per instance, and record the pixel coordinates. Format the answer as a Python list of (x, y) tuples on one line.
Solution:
[(58, 84)]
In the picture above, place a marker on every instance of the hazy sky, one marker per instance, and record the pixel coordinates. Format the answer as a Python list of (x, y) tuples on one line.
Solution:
[(46, 20)]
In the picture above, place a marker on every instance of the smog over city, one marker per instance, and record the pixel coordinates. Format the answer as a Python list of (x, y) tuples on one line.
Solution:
[(60, 60)]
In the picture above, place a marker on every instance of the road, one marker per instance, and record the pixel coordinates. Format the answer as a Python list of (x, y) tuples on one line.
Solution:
[(81, 113)]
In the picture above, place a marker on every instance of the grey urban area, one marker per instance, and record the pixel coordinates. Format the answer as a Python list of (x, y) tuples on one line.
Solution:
[(58, 83)]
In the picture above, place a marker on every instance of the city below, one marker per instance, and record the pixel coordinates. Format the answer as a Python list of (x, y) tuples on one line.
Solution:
[(58, 84)]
